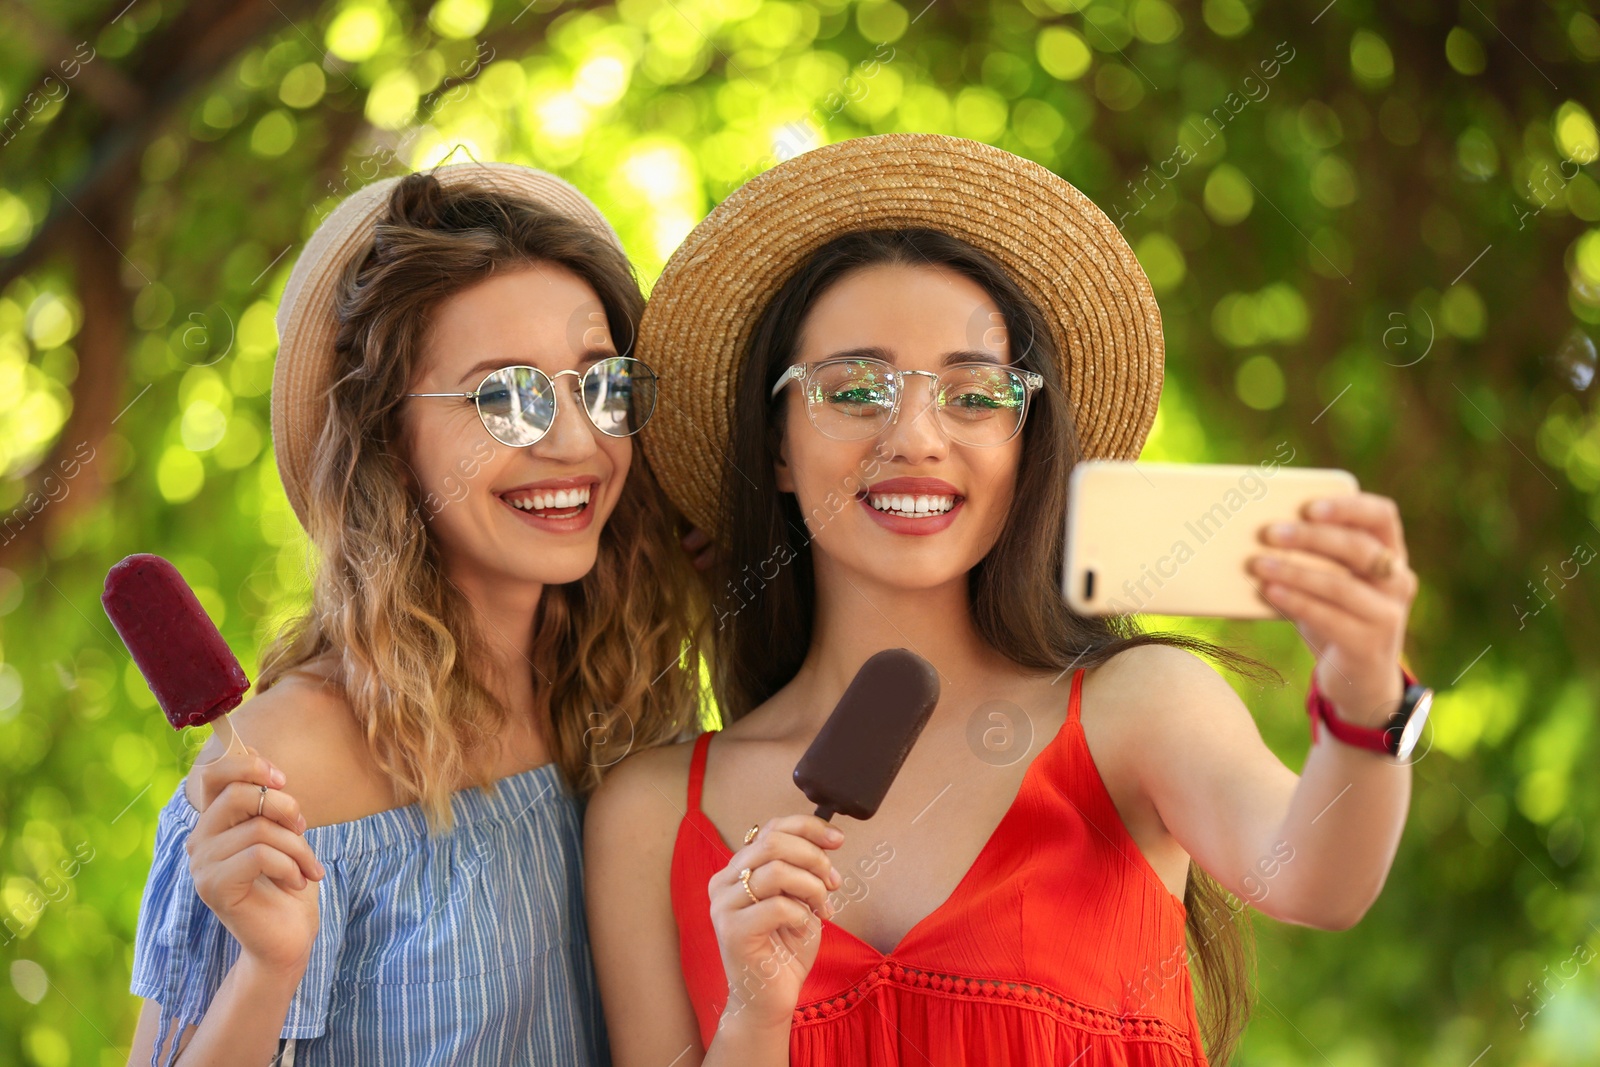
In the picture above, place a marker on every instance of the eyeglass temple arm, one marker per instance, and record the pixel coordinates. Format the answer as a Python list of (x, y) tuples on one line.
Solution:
[(793, 374), (438, 394)]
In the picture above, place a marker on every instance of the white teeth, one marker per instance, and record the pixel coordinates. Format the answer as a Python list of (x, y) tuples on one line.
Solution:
[(901, 504), (551, 499)]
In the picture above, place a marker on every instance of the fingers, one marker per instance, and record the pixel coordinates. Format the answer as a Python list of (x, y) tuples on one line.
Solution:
[(1375, 514), (777, 912), (242, 801), (698, 544), (244, 766), (222, 846), (1340, 590), (775, 878), (244, 867), (1357, 549), (795, 839)]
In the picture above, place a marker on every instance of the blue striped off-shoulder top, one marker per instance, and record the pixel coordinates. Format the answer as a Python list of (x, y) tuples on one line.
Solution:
[(468, 947)]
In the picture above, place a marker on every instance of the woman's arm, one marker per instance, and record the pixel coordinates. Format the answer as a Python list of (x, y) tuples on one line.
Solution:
[(250, 864), (1316, 849), (241, 1025), (630, 829), (1313, 849)]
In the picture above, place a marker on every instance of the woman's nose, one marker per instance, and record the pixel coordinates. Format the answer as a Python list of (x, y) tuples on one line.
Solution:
[(571, 434)]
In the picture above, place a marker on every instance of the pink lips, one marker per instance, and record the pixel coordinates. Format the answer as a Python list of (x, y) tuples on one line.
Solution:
[(565, 524), (912, 487)]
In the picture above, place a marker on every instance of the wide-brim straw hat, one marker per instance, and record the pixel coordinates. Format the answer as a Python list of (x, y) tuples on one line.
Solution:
[(306, 323), (1061, 249)]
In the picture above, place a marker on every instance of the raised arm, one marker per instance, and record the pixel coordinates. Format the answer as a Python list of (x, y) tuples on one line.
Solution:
[(1316, 849)]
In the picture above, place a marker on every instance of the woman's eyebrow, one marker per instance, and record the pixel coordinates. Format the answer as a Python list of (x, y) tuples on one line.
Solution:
[(971, 355), (960, 355), (592, 355)]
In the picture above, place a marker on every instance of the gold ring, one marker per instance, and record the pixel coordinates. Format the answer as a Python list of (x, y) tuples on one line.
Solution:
[(750, 834), (261, 805), (744, 879), (1382, 567)]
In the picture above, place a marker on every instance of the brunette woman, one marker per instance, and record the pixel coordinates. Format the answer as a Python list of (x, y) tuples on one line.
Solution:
[(885, 357)]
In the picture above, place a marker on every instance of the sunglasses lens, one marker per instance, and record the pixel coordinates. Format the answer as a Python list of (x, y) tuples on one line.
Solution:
[(620, 394), (982, 405), (850, 399), (517, 405)]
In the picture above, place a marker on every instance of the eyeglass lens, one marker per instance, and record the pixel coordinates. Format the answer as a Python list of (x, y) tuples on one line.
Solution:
[(853, 399), (518, 404)]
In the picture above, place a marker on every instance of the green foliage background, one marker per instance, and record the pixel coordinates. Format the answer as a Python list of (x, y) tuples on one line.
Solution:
[(1385, 251)]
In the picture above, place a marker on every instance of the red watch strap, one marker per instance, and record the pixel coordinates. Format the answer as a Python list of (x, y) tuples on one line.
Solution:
[(1369, 737)]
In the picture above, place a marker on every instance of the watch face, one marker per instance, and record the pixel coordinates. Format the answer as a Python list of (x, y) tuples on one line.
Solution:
[(1412, 730)]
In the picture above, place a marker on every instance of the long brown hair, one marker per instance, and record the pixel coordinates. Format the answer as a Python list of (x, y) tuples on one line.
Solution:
[(1016, 612), (618, 657)]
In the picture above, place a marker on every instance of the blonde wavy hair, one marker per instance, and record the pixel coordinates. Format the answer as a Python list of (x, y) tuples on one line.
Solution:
[(617, 652)]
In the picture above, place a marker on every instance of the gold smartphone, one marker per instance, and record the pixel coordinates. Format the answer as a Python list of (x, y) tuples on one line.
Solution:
[(1175, 538)]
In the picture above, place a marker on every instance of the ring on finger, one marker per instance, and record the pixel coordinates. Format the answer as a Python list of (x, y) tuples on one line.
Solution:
[(261, 805), (744, 880), (750, 834), (1381, 567)]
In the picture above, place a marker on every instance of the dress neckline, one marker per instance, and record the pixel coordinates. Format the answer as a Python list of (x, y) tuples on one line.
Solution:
[(990, 844), (514, 795)]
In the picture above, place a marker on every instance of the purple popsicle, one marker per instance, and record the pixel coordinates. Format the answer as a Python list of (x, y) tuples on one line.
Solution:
[(188, 666)]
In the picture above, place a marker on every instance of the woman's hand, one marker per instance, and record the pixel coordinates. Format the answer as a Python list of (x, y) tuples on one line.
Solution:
[(257, 873), (698, 544), (1354, 617), (769, 944)]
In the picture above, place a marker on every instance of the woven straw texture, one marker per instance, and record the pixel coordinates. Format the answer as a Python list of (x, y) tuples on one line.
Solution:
[(1060, 248)]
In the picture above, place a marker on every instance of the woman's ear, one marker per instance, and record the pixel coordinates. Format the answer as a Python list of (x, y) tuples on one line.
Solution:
[(780, 466)]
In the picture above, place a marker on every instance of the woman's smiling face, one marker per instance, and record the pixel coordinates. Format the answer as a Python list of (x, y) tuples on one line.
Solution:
[(493, 508), (917, 318)]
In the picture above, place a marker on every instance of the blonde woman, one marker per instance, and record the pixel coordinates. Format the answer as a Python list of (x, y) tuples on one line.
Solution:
[(452, 414)]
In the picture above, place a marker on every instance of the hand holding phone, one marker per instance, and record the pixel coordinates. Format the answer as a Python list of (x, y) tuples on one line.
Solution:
[(1175, 538)]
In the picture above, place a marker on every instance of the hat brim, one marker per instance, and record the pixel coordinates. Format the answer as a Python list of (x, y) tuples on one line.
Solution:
[(1060, 249)]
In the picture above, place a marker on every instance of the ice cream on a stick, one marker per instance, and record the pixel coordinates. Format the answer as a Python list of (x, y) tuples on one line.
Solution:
[(855, 756), (188, 666)]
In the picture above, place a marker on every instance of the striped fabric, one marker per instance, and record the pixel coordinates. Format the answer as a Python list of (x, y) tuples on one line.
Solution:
[(470, 947)]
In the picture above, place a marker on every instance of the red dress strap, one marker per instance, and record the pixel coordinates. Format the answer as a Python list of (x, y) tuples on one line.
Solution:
[(697, 769), (1077, 690)]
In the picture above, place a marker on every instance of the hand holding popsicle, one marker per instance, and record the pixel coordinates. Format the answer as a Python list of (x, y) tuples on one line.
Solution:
[(768, 924), (767, 904), (256, 872), (250, 863)]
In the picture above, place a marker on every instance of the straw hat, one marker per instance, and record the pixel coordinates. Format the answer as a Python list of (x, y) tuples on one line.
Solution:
[(306, 324), (1061, 250)]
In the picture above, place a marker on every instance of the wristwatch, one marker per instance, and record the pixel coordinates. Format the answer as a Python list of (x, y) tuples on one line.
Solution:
[(1397, 739)]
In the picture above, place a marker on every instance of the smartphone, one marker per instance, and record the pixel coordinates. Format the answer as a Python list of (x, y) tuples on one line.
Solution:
[(1175, 538)]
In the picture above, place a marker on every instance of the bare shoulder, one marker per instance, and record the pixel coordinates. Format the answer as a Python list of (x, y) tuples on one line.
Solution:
[(1157, 706), (304, 726), (1147, 684), (640, 801)]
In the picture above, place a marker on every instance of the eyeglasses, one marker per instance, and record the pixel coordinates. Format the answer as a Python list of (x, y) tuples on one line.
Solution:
[(517, 405), (850, 399)]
